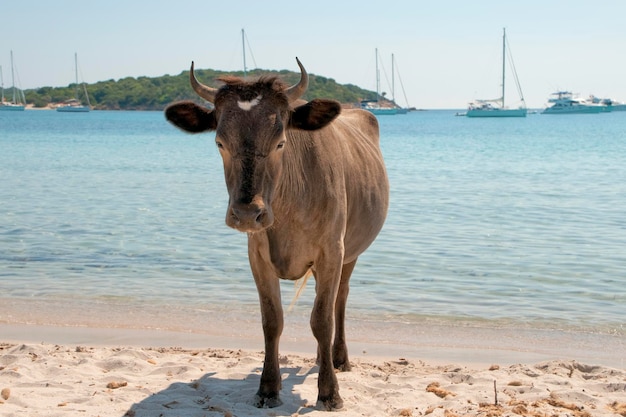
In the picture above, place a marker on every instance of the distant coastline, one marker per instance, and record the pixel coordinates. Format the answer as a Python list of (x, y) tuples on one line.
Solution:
[(155, 93)]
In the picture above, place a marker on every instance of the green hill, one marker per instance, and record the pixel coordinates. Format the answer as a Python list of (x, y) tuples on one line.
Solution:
[(145, 93)]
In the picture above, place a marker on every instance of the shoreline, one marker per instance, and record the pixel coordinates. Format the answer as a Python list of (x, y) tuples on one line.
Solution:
[(433, 343)]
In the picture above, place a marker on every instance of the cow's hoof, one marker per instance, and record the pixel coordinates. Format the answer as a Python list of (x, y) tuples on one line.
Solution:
[(266, 402), (343, 366), (330, 404)]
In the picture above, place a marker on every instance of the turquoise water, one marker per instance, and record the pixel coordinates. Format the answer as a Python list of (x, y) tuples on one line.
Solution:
[(518, 222)]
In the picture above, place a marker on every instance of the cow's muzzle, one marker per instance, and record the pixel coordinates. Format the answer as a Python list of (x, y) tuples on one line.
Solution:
[(249, 217)]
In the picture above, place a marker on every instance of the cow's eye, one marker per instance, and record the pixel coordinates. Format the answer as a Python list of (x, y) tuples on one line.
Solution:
[(219, 145), (280, 145)]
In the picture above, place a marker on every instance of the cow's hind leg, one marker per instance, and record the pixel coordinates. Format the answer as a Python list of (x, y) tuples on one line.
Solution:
[(340, 348)]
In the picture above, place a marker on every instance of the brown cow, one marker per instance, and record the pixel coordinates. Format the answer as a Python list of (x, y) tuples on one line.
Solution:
[(309, 187)]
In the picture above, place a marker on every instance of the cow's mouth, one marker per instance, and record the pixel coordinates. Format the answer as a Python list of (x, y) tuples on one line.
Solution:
[(249, 218)]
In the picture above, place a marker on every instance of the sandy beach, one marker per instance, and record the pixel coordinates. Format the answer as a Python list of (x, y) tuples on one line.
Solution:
[(142, 375)]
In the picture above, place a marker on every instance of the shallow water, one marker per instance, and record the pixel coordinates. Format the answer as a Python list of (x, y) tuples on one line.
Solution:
[(117, 218)]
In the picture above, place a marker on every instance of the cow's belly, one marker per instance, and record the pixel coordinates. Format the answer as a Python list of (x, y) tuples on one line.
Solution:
[(365, 220), (360, 237)]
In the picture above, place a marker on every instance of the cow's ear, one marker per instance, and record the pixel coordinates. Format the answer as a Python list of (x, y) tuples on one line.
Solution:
[(315, 114), (190, 117)]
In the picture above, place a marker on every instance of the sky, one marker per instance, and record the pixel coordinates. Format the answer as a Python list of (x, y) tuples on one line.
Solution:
[(447, 52)]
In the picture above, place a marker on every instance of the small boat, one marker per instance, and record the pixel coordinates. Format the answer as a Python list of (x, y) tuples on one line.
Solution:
[(564, 102), (374, 107), (496, 107), (615, 105), (609, 103), (74, 105), (18, 101)]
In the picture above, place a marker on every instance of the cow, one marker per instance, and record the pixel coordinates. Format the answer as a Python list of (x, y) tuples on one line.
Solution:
[(306, 181)]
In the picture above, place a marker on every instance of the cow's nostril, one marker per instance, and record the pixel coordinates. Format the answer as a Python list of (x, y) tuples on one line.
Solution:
[(246, 217), (233, 215)]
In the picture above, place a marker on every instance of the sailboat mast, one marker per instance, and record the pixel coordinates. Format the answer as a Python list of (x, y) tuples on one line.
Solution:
[(13, 79), (393, 79), (1, 85), (503, 61), (243, 45), (76, 73), (377, 78)]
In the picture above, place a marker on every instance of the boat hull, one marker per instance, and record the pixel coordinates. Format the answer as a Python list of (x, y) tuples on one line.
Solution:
[(11, 107), (382, 111), (574, 110), (495, 112), (73, 109)]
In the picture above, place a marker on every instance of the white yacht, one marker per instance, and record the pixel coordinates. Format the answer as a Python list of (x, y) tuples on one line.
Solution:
[(564, 102)]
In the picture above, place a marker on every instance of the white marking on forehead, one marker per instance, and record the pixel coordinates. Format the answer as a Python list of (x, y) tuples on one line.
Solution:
[(247, 105)]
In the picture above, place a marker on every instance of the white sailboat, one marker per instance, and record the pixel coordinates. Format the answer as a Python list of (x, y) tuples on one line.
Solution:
[(18, 101), (374, 106), (496, 107), (74, 105)]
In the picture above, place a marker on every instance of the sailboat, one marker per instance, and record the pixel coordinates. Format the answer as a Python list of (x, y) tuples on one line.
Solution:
[(74, 105), (496, 107), (17, 103), (374, 106)]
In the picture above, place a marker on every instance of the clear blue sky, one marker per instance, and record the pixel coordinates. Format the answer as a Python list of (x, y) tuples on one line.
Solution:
[(447, 52)]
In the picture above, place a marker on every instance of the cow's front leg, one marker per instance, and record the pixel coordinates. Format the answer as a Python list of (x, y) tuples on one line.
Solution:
[(322, 323), (268, 287)]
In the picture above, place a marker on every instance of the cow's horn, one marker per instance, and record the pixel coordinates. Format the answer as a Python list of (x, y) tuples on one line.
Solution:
[(207, 93), (297, 90)]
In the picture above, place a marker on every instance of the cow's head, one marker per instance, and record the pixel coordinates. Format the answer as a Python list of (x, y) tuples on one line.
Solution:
[(251, 120)]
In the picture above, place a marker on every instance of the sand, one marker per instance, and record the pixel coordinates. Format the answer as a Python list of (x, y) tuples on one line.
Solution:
[(50, 379)]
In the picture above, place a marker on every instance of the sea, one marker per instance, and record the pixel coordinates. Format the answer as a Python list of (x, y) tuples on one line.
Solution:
[(115, 219)]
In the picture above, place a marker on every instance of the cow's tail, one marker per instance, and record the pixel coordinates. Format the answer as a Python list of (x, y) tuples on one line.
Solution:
[(300, 285)]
